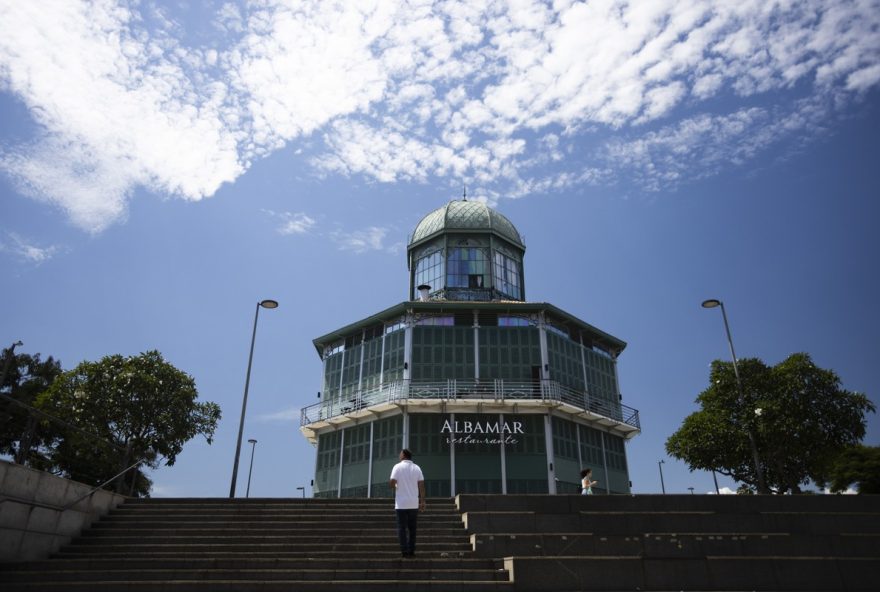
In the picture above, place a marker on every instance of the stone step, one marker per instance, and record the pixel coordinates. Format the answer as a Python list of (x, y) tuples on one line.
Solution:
[(163, 504), (566, 504), (264, 516), (420, 562), (264, 538), (309, 501), (165, 574), (383, 554), (330, 523), (427, 546), (716, 573), (676, 545), (261, 585), (377, 512), (269, 529), (815, 523)]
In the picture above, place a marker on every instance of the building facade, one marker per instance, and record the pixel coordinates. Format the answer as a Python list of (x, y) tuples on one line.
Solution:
[(492, 393)]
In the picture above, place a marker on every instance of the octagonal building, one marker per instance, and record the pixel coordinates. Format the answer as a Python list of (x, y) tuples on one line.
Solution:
[(491, 392)]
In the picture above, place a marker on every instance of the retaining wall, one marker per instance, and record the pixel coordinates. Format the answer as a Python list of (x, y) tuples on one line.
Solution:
[(34, 519)]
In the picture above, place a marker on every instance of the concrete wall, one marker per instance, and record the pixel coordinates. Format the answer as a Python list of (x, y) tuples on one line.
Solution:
[(33, 521)]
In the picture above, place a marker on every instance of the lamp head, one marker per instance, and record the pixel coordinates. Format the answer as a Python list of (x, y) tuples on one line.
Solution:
[(269, 304), (252, 441), (712, 303)]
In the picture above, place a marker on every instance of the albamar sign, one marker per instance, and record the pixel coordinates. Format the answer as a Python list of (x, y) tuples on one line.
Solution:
[(481, 432)]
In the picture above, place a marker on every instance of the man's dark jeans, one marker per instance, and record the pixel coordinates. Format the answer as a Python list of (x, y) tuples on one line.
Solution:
[(406, 530)]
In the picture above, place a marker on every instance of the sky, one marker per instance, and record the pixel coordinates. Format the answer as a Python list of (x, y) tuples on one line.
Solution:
[(164, 166)]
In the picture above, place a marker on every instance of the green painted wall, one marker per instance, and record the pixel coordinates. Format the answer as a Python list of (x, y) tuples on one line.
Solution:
[(477, 466), (431, 452), (387, 442), (442, 353), (527, 457), (327, 465), (510, 353)]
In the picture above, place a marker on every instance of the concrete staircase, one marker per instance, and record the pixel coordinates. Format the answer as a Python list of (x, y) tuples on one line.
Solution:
[(680, 542), (178, 545), (514, 543)]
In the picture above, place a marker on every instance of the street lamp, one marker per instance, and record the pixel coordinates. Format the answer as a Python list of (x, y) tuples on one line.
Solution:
[(247, 380), (660, 466), (303, 489), (253, 444), (762, 487)]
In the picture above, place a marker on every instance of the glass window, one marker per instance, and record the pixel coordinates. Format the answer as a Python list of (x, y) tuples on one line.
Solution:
[(438, 320), (429, 271), (393, 326), (561, 331), (334, 348), (566, 365), (393, 358), (467, 267), (507, 276), (506, 321)]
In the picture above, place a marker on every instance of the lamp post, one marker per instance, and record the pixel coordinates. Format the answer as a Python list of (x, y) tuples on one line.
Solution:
[(253, 444), (759, 473), (660, 466), (715, 479), (303, 489), (264, 304)]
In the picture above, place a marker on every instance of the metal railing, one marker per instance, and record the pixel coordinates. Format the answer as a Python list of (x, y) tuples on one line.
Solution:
[(452, 390)]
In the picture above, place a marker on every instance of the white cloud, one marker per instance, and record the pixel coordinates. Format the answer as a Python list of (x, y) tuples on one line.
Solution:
[(413, 90), (26, 250), (293, 222), (702, 145), (283, 415), (361, 241), (119, 106)]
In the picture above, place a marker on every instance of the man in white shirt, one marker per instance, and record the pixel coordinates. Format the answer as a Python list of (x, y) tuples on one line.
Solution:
[(408, 484)]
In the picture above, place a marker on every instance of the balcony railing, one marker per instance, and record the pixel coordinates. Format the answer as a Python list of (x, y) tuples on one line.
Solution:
[(451, 390)]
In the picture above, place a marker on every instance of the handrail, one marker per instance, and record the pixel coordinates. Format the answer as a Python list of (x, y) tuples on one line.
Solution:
[(107, 482), (56, 507)]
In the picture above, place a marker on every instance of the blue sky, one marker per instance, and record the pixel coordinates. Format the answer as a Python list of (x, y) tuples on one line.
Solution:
[(165, 166)]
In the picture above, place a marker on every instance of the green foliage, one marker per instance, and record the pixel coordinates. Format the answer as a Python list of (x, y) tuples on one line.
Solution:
[(25, 376), (859, 465), (145, 407), (799, 416)]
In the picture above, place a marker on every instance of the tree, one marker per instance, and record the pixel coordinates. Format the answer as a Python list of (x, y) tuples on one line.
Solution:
[(798, 413), (22, 434), (857, 464), (144, 407)]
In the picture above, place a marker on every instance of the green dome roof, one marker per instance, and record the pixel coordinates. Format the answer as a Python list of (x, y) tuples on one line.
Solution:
[(465, 215)]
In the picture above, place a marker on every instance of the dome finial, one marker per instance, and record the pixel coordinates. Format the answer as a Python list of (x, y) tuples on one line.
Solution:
[(464, 193)]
